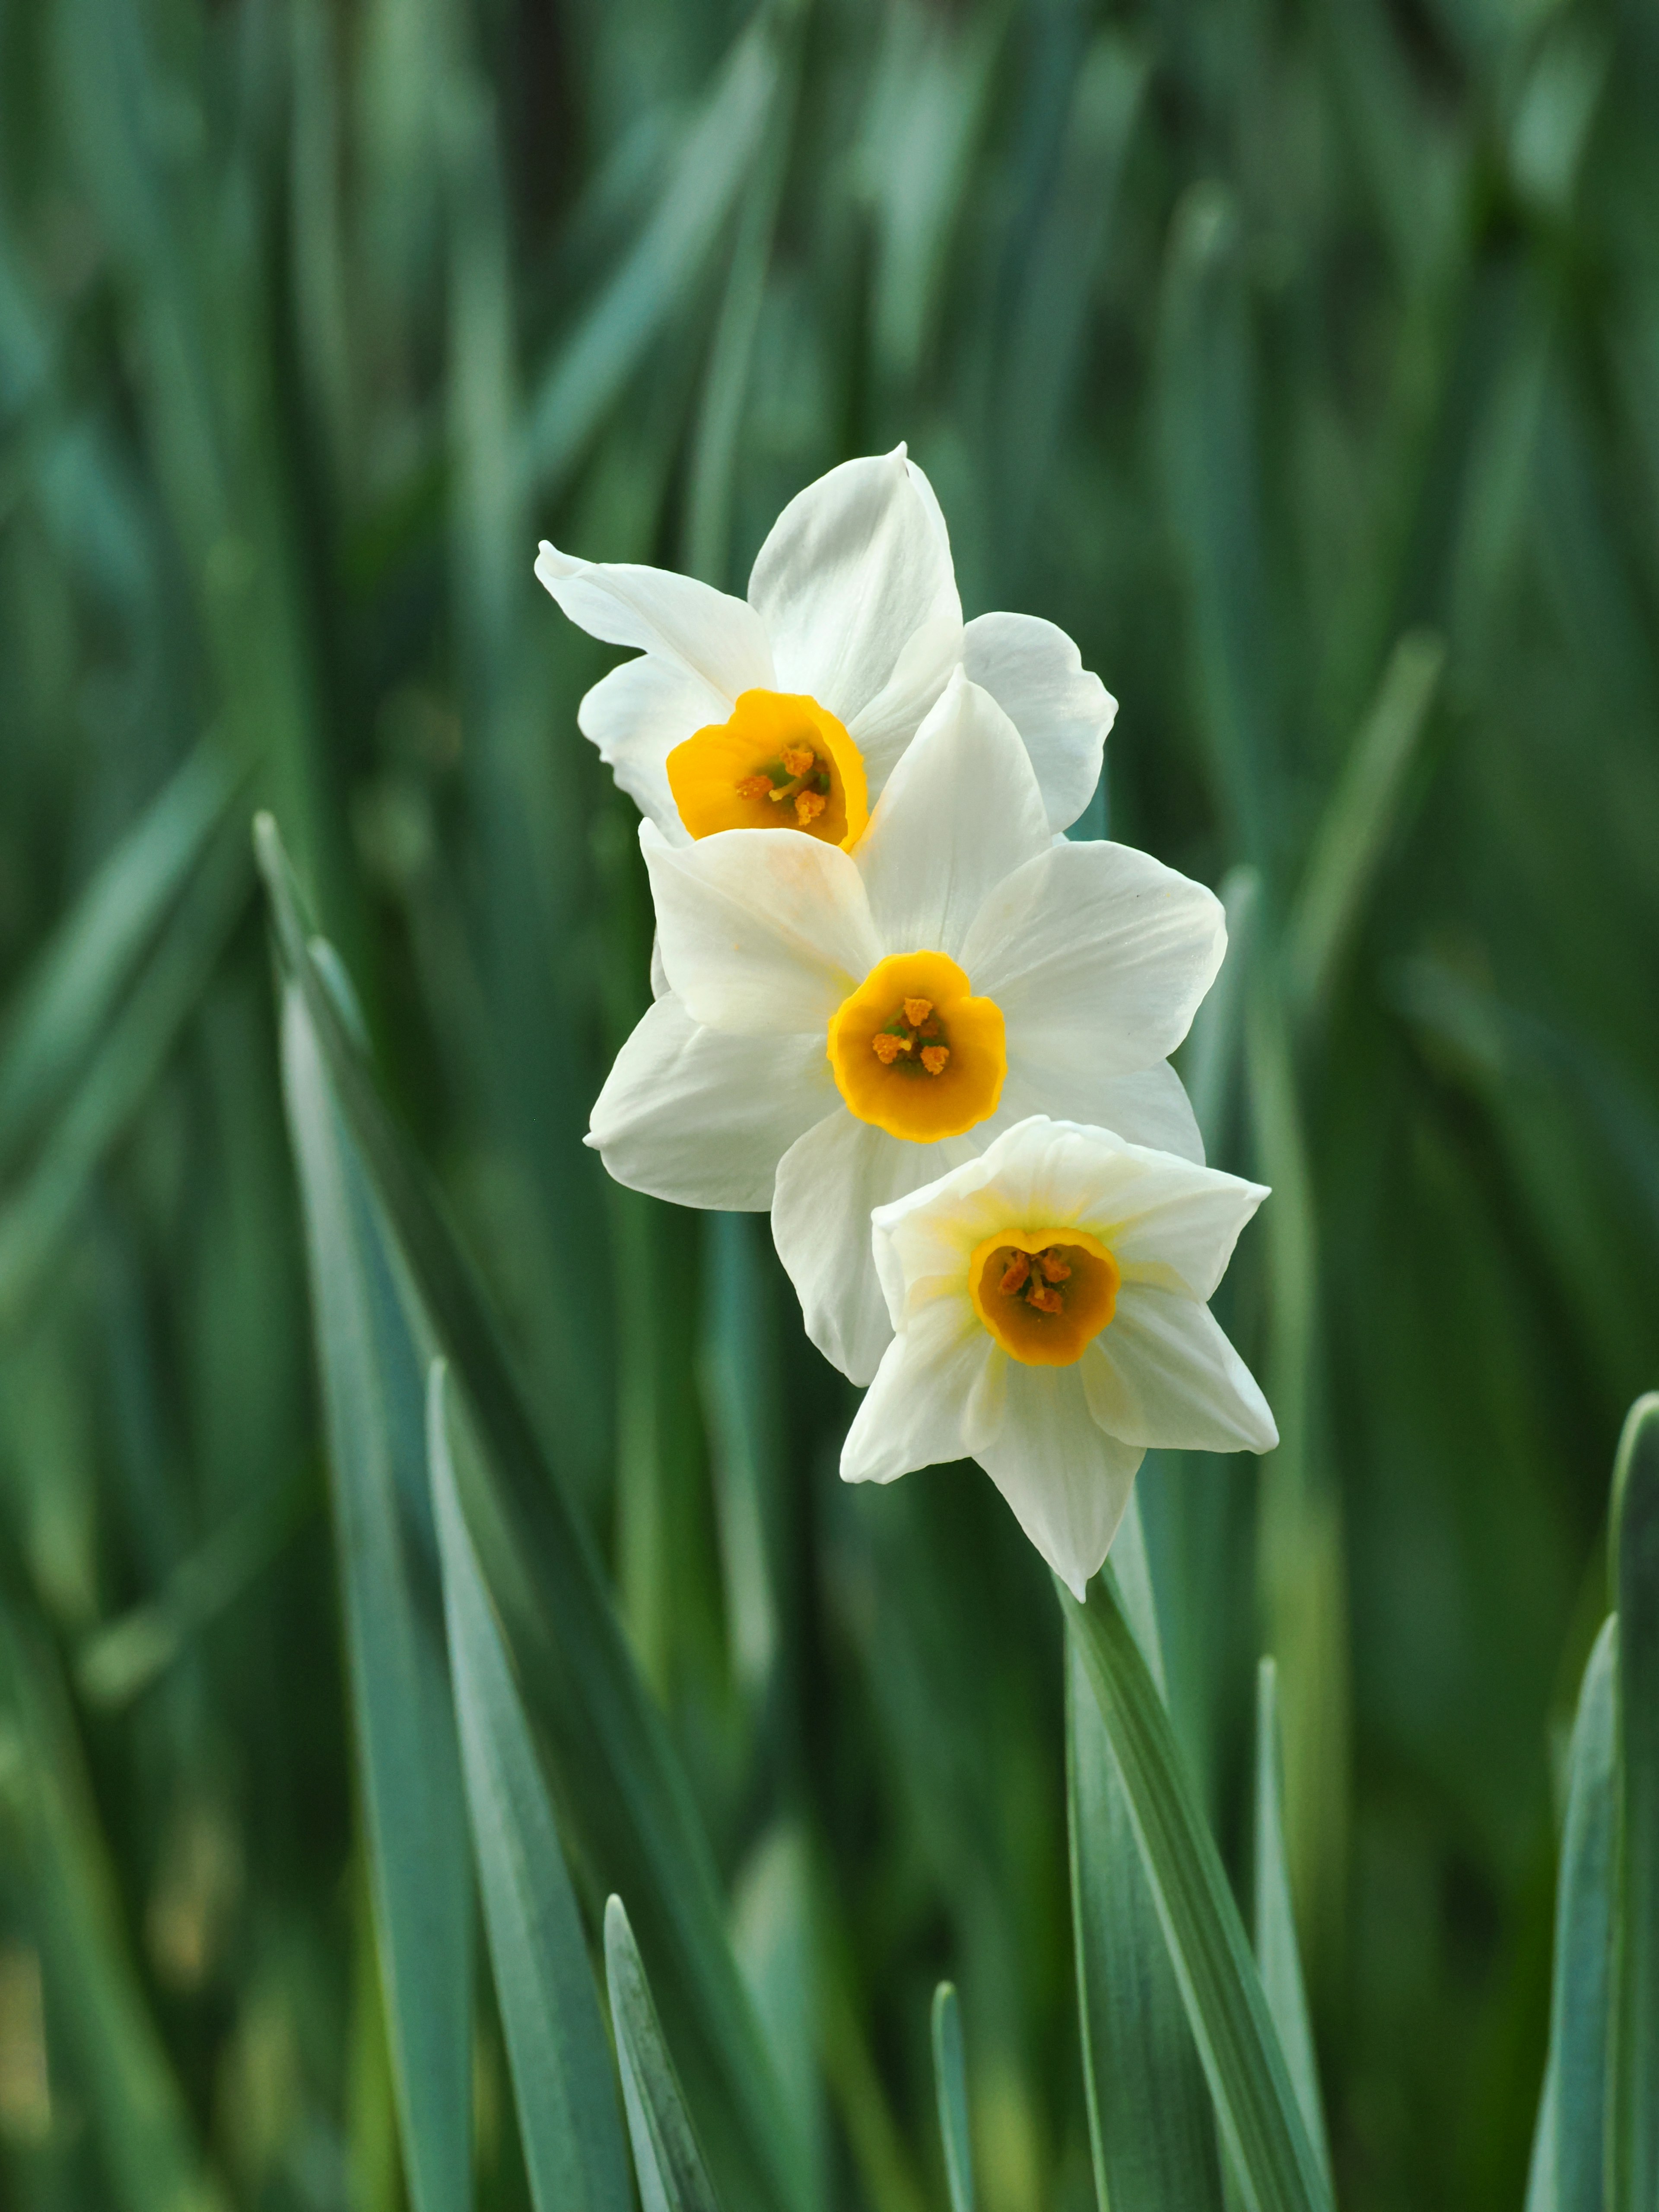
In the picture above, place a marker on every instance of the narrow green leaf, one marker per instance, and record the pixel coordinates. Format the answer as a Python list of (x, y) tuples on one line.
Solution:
[(373, 1387), (950, 2086), (556, 2038), (1360, 815), (1255, 2106), (1212, 1055), (1632, 2176), (1151, 2126), (670, 2167), (1568, 2148), (77, 981), (592, 367), (1276, 1950), (627, 1810)]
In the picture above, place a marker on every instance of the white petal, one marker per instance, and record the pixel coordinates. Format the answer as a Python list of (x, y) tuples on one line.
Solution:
[(1148, 1107), (960, 811), (850, 571), (914, 1413), (1061, 709), (702, 1117), (1097, 941), (1176, 1224), (636, 716), (1161, 1374), (706, 632), (829, 1182), (1067, 1480), (760, 929)]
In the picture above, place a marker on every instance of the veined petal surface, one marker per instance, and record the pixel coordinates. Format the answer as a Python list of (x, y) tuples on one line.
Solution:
[(1061, 709), (1098, 945), (1164, 1373), (1148, 1107), (760, 929), (1067, 1481), (703, 1116), (707, 633), (960, 812), (829, 1181), (926, 1404), (852, 569), (635, 716)]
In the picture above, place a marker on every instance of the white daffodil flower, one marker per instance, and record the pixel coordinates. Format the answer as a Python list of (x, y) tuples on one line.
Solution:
[(791, 708), (1050, 1305), (840, 1026)]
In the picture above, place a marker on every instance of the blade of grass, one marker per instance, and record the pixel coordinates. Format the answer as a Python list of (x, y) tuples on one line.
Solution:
[(950, 2086), (1632, 2141), (588, 372), (1567, 2150), (373, 1387), (626, 1802), (1255, 2106), (1276, 1950), (667, 2160), (1151, 2127), (556, 2038), (1358, 818)]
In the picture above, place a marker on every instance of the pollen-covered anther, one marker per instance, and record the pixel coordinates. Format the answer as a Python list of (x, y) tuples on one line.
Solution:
[(1045, 1298), (887, 1047), (1054, 1269), (916, 1011), (799, 759), (1019, 1274), (933, 1058), (809, 804), (755, 787)]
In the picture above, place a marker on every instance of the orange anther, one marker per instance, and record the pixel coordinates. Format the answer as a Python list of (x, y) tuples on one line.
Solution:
[(1054, 1269), (916, 1011), (799, 759), (1018, 1273), (887, 1048), (934, 1057), (1044, 1300), (809, 804), (755, 787)]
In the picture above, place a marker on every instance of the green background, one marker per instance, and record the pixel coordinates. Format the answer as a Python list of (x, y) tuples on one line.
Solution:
[(1303, 362)]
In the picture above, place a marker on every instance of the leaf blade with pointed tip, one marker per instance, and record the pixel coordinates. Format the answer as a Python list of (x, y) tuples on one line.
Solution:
[(950, 2086), (373, 1395), (1255, 2106), (1567, 2150), (673, 2176)]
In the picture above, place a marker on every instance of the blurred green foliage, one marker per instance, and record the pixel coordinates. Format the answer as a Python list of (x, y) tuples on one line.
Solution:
[(1303, 363)]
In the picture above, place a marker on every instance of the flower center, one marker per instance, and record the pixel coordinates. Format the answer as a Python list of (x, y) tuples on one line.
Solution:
[(782, 762), (914, 1051), (1044, 1294)]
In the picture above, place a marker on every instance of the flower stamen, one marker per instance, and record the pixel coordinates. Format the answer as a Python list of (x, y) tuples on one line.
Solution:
[(1043, 1295), (915, 1022)]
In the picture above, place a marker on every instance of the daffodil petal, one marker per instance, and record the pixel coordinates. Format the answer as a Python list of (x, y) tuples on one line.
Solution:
[(1148, 1107), (961, 810), (701, 1117), (636, 717), (913, 1414), (1096, 948), (853, 567), (829, 1182), (760, 930), (708, 633), (1164, 1373), (1061, 709), (1174, 1228), (1067, 1481)]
